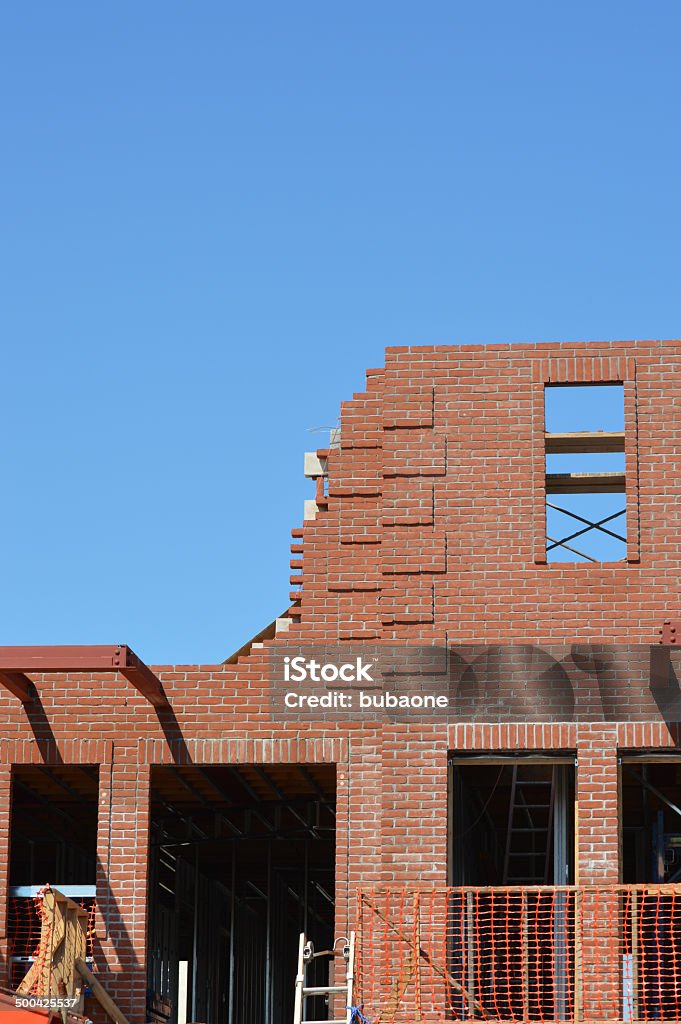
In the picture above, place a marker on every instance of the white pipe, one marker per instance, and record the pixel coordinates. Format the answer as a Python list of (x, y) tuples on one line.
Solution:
[(182, 975)]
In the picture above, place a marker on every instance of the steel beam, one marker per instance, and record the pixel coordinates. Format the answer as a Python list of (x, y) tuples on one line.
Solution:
[(669, 631), (202, 800), (47, 802), (18, 663), (143, 679), (18, 684), (328, 801), (254, 796), (261, 773), (656, 792)]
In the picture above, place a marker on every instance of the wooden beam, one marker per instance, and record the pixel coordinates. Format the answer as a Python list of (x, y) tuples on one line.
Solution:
[(41, 969), (18, 684), (585, 483), (100, 994), (598, 441)]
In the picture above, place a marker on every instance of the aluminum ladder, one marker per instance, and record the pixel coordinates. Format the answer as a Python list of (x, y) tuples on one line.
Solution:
[(306, 954), (529, 832)]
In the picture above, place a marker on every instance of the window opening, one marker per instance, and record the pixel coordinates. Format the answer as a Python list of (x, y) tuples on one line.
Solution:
[(53, 842), (585, 478), (511, 823), (511, 842)]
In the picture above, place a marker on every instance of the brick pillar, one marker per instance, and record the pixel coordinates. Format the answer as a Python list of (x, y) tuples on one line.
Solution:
[(598, 865), (414, 843), (122, 867), (414, 826), (5, 818), (358, 816)]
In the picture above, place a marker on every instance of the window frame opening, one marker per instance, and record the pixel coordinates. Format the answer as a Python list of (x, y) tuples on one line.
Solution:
[(585, 508), (53, 846), (503, 855)]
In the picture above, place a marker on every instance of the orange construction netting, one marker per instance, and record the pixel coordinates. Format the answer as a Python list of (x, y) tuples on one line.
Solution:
[(518, 954), (28, 930)]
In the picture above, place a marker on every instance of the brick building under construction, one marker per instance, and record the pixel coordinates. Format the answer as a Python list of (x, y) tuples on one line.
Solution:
[(516, 858)]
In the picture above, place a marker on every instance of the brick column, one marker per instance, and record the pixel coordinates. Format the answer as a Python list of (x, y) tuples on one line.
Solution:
[(122, 867), (358, 816), (414, 844), (5, 817), (414, 826), (358, 822), (598, 865), (598, 798)]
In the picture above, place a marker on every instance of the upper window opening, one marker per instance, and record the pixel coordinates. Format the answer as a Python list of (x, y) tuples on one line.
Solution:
[(584, 407), (585, 479)]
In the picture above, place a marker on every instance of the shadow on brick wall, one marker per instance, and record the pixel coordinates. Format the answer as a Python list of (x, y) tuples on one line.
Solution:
[(42, 730), (173, 734), (124, 980)]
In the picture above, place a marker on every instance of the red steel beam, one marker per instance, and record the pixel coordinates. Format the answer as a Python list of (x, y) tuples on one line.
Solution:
[(671, 632), (18, 684), (143, 679), (17, 664), (90, 658)]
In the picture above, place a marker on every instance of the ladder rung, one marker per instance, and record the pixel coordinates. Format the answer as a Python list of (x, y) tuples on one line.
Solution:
[(322, 990), (303, 992)]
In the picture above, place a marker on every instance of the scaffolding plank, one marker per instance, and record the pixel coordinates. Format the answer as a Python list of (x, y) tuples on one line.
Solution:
[(585, 483), (583, 442), (100, 994)]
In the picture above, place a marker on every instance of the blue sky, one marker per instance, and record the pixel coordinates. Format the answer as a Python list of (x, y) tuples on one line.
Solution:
[(214, 218)]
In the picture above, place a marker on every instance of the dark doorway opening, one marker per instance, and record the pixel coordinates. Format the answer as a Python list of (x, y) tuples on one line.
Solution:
[(53, 841), (242, 861)]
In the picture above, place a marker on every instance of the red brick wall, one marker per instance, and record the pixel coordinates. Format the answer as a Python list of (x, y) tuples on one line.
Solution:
[(122, 858), (597, 795), (444, 454), (432, 532), (5, 813)]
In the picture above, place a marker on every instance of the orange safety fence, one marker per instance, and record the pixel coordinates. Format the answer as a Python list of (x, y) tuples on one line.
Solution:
[(28, 929), (519, 954)]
